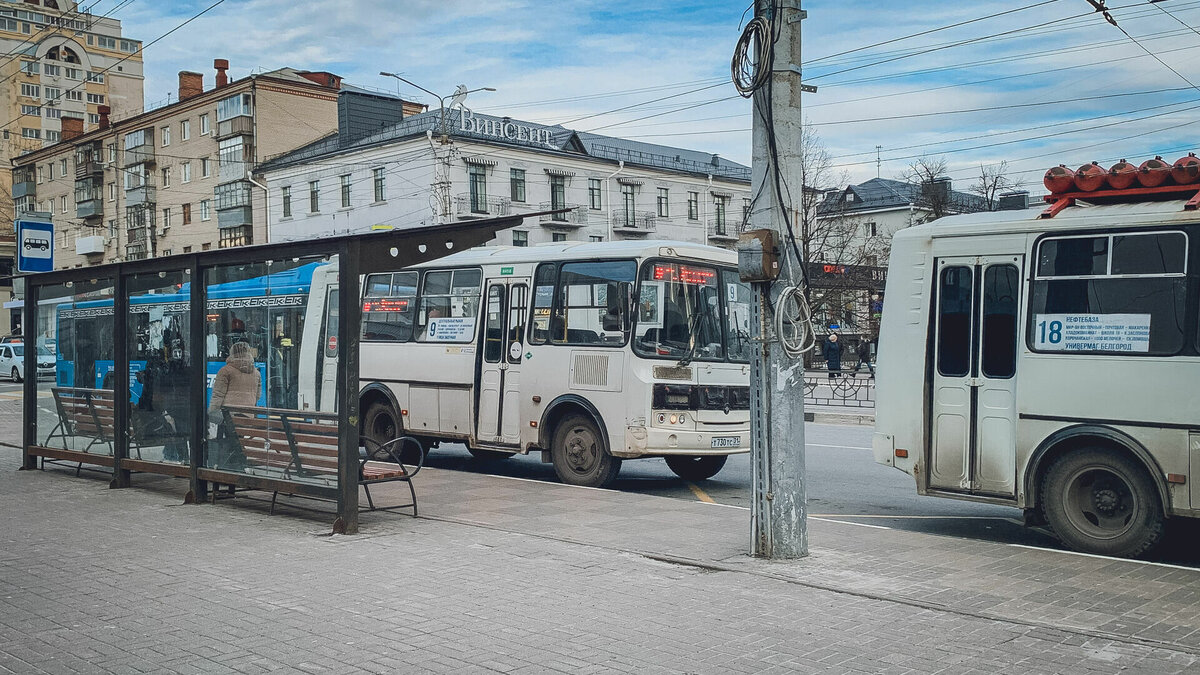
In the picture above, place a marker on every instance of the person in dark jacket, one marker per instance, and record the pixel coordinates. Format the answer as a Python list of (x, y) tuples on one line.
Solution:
[(833, 355), (864, 357)]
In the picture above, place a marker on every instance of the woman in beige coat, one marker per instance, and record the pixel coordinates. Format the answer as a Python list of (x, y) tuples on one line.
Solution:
[(238, 383)]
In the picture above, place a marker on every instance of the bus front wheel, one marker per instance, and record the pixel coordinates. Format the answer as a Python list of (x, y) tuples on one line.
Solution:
[(579, 456), (1101, 501), (696, 467), (381, 424)]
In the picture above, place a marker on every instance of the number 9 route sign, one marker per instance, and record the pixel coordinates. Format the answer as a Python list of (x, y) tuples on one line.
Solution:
[(35, 246)]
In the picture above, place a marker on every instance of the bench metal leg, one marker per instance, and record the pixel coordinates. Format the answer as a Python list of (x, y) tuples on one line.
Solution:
[(412, 491), (274, 496), (370, 503)]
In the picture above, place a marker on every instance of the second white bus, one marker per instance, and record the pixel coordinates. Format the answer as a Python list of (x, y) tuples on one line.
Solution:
[(588, 353)]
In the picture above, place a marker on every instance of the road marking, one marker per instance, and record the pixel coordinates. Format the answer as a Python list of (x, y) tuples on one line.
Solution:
[(700, 494), (1107, 557), (826, 445), (916, 517), (850, 522)]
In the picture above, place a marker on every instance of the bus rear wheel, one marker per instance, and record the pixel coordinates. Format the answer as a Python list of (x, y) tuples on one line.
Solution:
[(1101, 501), (578, 454), (696, 467)]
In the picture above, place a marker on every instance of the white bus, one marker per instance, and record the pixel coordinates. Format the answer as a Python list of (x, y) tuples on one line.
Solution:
[(588, 353), (1049, 364)]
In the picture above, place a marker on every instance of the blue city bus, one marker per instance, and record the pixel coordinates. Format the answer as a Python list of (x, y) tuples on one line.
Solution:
[(282, 315)]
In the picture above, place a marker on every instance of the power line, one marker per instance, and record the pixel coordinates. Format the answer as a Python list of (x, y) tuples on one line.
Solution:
[(1143, 47)]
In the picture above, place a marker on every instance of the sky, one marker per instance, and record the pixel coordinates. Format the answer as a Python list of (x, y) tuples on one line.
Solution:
[(1045, 82)]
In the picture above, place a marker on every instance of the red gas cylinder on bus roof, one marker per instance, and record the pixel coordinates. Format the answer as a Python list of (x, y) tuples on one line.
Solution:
[(1059, 179), (1121, 175), (1153, 172), (1090, 177), (1186, 169)]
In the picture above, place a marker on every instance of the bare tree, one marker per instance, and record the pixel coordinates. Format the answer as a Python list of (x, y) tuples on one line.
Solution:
[(934, 193), (992, 182)]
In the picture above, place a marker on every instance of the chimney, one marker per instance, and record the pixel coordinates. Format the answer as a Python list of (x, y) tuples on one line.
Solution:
[(72, 127), (104, 111), (323, 78), (1014, 201), (190, 84), (221, 65), (941, 188)]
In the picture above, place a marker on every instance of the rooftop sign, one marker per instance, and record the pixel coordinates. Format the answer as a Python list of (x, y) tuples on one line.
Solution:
[(506, 130)]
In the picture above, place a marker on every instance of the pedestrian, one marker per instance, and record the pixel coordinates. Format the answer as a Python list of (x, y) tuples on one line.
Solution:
[(833, 355), (864, 357), (238, 383)]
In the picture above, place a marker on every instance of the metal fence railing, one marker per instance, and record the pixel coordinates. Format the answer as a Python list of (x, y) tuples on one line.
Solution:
[(845, 390)]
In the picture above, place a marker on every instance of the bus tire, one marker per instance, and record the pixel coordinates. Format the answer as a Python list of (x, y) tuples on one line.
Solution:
[(1099, 500), (696, 467), (579, 456), (488, 455), (381, 424)]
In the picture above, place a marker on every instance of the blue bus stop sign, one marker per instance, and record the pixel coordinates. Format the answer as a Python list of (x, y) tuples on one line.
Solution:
[(35, 246)]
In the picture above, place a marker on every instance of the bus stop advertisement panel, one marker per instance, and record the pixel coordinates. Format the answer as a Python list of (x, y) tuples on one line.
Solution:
[(174, 323)]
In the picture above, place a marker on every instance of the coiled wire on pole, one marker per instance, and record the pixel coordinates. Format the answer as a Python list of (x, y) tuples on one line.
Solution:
[(793, 322), (752, 57)]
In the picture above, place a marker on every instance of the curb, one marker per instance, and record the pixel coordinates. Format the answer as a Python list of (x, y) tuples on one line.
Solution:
[(840, 418)]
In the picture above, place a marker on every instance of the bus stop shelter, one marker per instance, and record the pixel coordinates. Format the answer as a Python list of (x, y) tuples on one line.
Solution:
[(191, 331)]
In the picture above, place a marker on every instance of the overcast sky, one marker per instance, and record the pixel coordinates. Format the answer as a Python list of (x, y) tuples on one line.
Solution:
[(572, 62)]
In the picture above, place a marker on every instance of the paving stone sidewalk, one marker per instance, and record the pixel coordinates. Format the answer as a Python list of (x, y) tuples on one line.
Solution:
[(98, 580)]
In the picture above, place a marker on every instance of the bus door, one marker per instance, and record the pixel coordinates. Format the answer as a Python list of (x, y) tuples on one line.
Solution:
[(503, 351), (327, 366), (973, 431)]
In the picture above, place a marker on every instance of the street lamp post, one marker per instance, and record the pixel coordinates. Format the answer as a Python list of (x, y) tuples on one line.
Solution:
[(441, 99)]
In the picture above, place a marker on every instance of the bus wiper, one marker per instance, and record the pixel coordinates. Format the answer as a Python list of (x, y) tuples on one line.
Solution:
[(693, 325)]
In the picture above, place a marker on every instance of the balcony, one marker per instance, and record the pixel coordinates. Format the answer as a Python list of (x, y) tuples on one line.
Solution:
[(235, 217), (91, 208), (722, 231), (135, 251), (469, 206), (139, 154), (145, 195), (242, 125), (25, 188), (86, 168), (93, 245), (633, 222), (576, 217)]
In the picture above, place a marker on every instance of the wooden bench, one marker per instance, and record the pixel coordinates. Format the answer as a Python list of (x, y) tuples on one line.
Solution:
[(91, 413), (304, 445)]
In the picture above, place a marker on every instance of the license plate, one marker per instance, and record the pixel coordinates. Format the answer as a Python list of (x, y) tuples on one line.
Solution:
[(726, 441)]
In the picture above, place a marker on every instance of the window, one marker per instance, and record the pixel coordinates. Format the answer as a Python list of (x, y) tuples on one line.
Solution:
[(314, 196), (30, 90), (345, 190), (380, 185), (112, 228), (477, 179), (205, 129), (693, 206), (165, 133), (185, 130), (98, 99), (106, 42), (590, 303), (595, 237), (737, 316), (31, 133), (627, 204), (30, 67), (449, 305), (205, 172), (112, 153), (520, 238), (558, 196), (1120, 293), (234, 106), (53, 113), (98, 78), (1001, 288), (663, 203), (93, 118), (678, 313), (558, 236), (205, 209), (720, 204), (233, 195), (35, 110), (166, 221), (389, 306), (185, 172), (112, 192), (52, 135), (516, 182), (74, 95), (166, 176), (870, 229), (594, 202), (187, 249), (62, 168), (286, 195), (954, 321), (62, 201), (746, 214), (53, 70), (231, 151), (51, 93), (129, 46), (187, 214)]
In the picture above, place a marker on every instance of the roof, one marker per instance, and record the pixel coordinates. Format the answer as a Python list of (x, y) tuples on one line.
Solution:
[(555, 139), (884, 193), (576, 250)]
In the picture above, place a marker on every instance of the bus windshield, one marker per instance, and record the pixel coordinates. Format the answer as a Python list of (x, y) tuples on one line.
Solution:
[(680, 314)]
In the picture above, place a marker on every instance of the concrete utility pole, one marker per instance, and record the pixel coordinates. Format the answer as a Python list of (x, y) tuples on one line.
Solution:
[(779, 512)]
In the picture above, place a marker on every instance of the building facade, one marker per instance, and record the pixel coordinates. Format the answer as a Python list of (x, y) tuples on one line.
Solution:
[(445, 166), (175, 179), (60, 62)]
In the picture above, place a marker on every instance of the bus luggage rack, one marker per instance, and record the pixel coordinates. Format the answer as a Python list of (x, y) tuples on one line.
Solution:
[(845, 391)]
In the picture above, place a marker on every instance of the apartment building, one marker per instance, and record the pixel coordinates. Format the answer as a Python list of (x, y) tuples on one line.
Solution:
[(174, 180), (59, 61), (441, 167)]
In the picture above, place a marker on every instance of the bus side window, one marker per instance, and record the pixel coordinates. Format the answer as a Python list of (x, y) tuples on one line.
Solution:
[(954, 322), (493, 330), (543, 302), (518, 301), (453, 295)]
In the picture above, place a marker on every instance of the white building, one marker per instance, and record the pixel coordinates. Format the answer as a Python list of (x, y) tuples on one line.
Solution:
[(431, 168)]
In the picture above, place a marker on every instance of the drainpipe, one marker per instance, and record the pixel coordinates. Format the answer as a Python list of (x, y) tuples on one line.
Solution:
[(607, 193), (704, 215), (266, 202)]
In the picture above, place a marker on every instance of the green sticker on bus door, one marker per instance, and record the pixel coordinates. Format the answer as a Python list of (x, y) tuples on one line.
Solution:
[(506, 271)]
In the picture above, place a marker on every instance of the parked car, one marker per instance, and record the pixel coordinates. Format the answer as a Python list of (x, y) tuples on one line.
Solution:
[(12, 361)]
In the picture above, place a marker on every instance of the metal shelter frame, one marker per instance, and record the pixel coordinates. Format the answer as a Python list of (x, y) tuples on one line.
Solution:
[(357, 255)]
